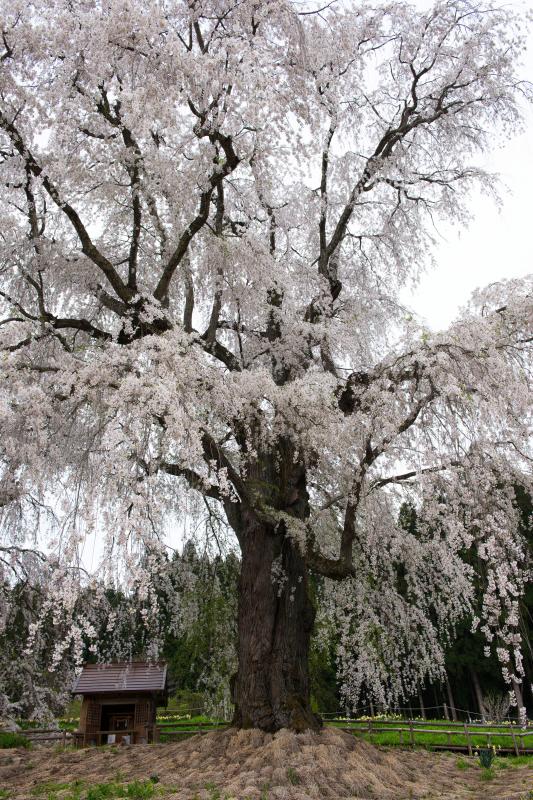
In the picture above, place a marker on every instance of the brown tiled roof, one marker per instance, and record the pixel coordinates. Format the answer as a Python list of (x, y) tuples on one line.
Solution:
[(126, 676)]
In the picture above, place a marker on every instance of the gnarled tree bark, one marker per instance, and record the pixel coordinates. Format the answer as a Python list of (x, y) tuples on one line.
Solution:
[(272, 688)]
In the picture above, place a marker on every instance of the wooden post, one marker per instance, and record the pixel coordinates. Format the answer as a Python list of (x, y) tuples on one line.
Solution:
[(411, 733), (514, 741), (445, 707), (469, 743), (64, 737)]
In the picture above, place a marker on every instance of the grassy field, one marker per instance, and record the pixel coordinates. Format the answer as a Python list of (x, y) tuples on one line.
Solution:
[(175, 724), (451, 736)]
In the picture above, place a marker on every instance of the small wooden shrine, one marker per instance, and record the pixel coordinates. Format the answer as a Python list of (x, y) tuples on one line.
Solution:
[(120, 702)]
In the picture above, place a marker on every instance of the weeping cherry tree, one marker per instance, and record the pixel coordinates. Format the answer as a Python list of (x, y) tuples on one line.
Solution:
[(209, 211)]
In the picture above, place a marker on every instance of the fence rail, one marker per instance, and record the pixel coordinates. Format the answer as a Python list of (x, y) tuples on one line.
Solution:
[(48, 735), (407, 735), (437, 724), (520, 740), (445, 712)]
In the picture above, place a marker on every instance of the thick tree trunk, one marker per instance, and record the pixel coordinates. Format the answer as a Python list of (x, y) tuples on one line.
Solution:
[(276, 616)]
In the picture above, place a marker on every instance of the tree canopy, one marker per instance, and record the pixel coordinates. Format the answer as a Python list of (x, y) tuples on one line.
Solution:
[(209, 211)]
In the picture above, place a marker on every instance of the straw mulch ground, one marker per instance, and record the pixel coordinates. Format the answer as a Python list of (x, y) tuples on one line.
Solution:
[(250, 765)]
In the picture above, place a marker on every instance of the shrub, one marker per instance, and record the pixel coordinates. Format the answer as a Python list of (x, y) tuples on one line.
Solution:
[(486, 757), (140, 790), (102, 791), (497, 706), (293, 777), (8, 739)]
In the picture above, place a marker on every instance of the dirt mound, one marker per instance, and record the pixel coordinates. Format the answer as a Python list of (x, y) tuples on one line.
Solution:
[(251, 765)]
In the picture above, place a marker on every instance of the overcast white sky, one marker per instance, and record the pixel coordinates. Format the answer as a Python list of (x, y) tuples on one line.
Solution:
[(498, 243)]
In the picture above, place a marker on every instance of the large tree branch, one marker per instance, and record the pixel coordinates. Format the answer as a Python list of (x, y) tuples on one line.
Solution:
[(59, 323), (212, 328), (88, 247), (343, 566), (132, 165), (194, 480), (135, 179), (410, 119), (214, 452), (217, 176), (407, 476), (334, 568), (326, 267)]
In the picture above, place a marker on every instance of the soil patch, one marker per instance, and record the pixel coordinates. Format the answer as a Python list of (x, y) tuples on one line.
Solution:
[(251, 765)]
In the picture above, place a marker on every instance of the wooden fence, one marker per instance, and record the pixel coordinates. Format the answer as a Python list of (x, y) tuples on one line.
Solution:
[(182, 728), (407, 732), (57, 735)]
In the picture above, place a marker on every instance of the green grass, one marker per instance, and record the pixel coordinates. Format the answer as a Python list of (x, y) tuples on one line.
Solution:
[(179, 721), (185, 720), (113, 790), (8, 739), (27, 724), (48, 787), (186, 725), (293, 777), (433, 739), (519, 761), (137, 790), (477, 739)]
